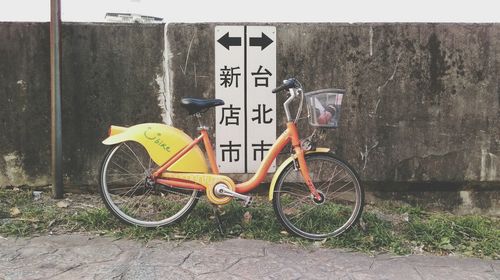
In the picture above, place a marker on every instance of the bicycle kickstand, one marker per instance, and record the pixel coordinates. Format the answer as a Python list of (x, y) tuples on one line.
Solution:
[(217, 218)]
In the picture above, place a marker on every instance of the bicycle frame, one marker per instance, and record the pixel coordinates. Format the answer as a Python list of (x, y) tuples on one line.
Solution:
[(290, 134)]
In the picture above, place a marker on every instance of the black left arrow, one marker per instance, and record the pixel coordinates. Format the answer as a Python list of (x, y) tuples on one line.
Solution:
[(262, 41), (227, 41)]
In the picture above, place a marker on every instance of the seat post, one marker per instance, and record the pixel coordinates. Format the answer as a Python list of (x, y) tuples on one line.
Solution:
[(200, 125)]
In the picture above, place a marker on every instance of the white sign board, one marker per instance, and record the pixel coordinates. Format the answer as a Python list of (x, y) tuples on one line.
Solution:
[(245, 74)]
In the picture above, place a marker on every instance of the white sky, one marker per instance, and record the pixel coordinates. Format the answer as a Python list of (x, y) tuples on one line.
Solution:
[(261, 10)]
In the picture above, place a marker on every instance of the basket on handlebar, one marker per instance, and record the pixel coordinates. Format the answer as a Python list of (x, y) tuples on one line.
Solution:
[(323, 107)]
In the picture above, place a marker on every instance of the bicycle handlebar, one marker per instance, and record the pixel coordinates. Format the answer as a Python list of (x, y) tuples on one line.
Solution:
[(287, 84)]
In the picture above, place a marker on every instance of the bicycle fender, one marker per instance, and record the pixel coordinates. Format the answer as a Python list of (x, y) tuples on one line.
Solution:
[(284, 164), (161, 142)]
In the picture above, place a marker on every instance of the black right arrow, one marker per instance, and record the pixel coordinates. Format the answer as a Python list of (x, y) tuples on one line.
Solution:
[(262, 42), (227, 41)]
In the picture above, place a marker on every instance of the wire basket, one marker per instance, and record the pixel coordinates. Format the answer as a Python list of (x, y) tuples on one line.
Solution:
[(323, 107)]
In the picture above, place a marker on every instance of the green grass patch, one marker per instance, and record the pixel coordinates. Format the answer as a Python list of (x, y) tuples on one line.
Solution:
[(387, 228), (444, 233)]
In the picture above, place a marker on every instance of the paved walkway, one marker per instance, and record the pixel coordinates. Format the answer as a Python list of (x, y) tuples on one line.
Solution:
[(90, 257)]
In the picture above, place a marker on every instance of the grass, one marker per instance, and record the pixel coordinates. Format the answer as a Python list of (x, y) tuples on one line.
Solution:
[(387, 228)]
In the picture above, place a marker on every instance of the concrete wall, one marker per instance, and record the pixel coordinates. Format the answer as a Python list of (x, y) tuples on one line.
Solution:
[(109, 75), (25, 104), (422, 104)]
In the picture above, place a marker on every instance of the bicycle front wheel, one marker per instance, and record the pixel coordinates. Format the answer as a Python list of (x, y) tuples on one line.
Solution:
[(341, 204), (129, 196)]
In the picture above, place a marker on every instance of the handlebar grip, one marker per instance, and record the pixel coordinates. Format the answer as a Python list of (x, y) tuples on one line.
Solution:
[(287, 84), (280, 88)]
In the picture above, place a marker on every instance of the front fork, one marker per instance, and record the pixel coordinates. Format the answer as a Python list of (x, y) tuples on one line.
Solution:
[(304, 170)]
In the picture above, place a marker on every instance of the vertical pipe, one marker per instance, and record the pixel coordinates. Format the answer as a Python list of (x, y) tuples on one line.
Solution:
[(55, 97)]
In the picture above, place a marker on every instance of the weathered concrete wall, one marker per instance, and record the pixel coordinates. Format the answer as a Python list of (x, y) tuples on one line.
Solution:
[(422, 103), (25, 104), (109, 75)]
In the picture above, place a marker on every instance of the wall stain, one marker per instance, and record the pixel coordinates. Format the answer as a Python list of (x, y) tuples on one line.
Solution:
[(437, 67)]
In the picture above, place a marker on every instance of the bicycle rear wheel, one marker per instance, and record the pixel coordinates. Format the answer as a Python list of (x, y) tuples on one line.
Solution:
[(128, 194), (305, 216)]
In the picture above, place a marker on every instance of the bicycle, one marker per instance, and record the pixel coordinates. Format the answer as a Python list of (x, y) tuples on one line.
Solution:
[(154, 174)]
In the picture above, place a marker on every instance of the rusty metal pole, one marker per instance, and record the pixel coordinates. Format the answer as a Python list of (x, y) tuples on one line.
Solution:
[(55, 97)]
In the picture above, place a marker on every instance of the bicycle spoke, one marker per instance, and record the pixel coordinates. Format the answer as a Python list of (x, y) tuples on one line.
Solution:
[(302, 214), (137, 202), (122, 168), (334, 174), (297, 203), (140, 162), (338, 195), (291, 193), (328, 189), (134, 188), (301, 190), (124, 177)]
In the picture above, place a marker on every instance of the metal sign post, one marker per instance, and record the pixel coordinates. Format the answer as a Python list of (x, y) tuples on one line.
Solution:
[(55, 97), (245, 74)]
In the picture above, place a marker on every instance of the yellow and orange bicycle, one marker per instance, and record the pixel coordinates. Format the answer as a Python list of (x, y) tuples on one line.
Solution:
[(154, 174)]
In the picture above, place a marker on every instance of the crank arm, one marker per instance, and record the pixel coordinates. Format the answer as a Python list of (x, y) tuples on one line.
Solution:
[(223, 190)]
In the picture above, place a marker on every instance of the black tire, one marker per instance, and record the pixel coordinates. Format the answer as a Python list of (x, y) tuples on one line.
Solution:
[(124, 191), (302, 215)]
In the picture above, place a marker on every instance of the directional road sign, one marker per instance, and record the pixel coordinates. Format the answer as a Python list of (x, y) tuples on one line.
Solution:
[(245, 74)]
